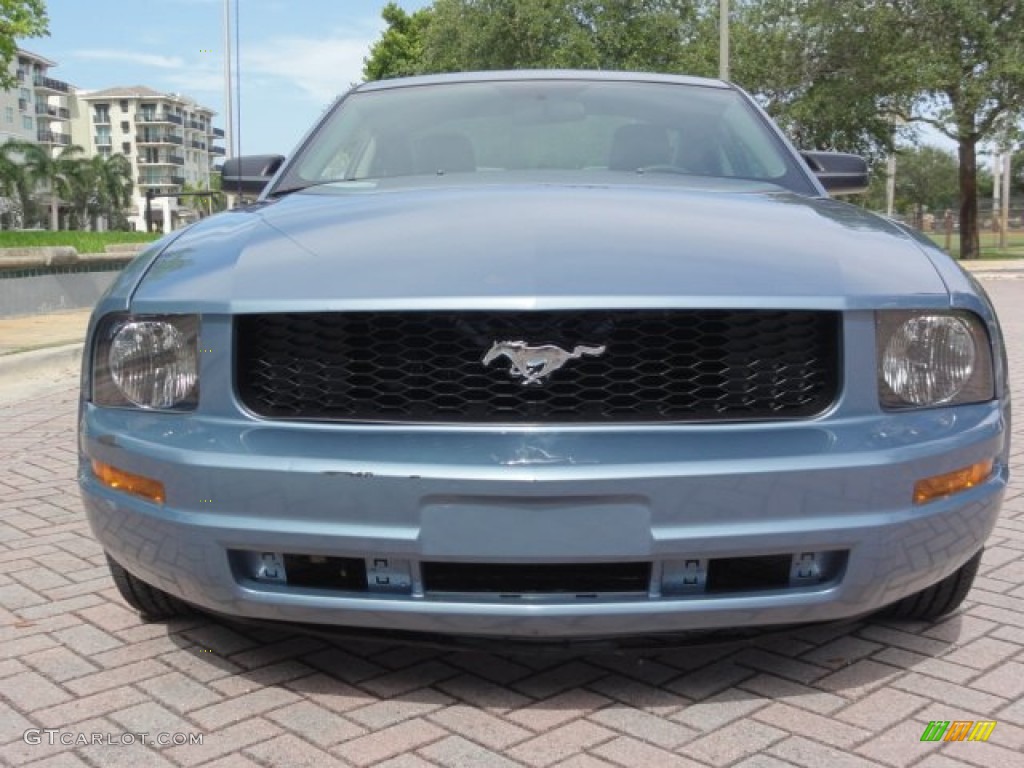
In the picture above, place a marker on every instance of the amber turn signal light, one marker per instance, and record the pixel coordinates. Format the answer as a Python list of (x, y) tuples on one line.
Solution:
[(941, 486), (119, 480)]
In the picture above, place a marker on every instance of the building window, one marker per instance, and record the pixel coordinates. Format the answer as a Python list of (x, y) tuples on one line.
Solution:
[(26, 122), (102, 113), (126, 127), (9, 114), (124, 105), (25, 94), (126, 148)]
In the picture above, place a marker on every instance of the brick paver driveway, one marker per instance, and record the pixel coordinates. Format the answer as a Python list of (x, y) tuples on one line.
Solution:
[(74, 658)]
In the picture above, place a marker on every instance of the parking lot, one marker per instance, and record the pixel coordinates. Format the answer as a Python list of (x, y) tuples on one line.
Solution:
[(84, 682)]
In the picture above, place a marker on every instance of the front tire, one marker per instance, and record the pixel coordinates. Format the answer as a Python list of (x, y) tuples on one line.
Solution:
[(939, 599), (150, 602)]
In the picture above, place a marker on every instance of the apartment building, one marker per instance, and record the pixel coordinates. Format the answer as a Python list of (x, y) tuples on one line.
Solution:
[(39, 107), (168, 138)]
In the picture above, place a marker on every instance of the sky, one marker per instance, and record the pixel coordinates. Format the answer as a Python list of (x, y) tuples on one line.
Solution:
[(296, 55)]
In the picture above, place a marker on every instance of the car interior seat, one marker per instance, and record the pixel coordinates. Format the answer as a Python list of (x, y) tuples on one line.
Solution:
[(639, 145), (392, 157), (445, 153)]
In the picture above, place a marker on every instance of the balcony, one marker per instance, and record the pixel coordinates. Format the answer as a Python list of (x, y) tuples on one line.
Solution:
[(158, 117), (161, 181), (49, 84), (57, 113), (162, 160), (217, 150), (218, 133), (196, 125), (159, 138), (101, 118), (103, 141), (198, 145), (49, 137)]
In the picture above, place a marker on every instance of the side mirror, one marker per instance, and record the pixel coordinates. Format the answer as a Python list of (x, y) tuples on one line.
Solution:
[(248, 175), (839, 172)]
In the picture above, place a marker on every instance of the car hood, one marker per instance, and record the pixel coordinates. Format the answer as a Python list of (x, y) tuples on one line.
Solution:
[(536, 246)]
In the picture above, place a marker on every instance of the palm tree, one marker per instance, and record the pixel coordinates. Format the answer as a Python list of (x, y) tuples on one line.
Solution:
[(52, 173), (113, 178), (15, 184), (80, 189)]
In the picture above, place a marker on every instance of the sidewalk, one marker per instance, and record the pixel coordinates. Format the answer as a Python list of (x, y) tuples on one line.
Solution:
[(32, 332)]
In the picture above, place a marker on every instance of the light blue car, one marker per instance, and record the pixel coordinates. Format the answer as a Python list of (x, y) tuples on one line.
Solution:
[(544, 355)]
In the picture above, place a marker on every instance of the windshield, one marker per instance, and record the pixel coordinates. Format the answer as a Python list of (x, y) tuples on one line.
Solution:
[(499, 128)]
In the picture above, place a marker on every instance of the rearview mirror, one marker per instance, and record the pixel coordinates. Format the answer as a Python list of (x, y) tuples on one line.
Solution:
[(839, 173), (248, 175)]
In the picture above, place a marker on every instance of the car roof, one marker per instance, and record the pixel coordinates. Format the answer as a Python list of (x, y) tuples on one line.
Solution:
[(526, 75)]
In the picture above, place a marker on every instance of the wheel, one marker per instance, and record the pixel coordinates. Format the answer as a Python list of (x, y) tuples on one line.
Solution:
[(149, 601), (938, 599)]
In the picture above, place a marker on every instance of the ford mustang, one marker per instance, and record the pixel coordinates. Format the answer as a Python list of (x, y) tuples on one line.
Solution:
[(546, 355)]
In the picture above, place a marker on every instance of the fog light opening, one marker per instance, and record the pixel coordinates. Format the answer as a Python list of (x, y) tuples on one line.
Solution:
[(941, 486), (137, 485)]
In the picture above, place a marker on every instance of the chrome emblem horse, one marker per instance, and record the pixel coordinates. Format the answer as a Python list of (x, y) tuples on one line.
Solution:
[(534, 364)]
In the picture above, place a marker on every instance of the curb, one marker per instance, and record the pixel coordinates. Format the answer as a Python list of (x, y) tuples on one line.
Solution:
[(23, 364)]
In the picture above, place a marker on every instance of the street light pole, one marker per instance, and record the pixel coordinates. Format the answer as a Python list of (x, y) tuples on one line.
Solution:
[(723, 39), (229, 121)]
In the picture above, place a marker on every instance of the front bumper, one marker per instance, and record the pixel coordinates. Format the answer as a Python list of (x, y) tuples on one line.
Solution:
[(584, 495)]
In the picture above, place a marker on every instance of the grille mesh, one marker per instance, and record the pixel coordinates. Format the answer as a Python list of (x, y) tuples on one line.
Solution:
[(659, 365)]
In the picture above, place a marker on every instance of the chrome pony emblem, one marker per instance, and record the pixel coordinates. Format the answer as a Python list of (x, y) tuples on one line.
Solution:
[(534, 364)]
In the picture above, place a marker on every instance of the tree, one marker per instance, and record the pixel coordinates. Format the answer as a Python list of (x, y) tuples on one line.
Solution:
[(52, 174), (926, 180), (399, 52), (113, 174), (79, 187), (452, 35), (810, 71), (211, 203), (514, 34), (59, 178), (838, 73), (1017, 173), (16, 187), (18, 19)]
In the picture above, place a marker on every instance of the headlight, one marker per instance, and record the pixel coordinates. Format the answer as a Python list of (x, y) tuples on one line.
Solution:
[(147, 361), (932, 358)]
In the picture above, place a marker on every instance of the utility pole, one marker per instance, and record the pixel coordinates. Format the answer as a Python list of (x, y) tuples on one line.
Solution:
[(890, 183), (1004, 218), (997, 188), (723, 39)]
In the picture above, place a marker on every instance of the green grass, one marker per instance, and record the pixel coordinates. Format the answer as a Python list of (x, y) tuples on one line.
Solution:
[(83, 242), (989, 245)]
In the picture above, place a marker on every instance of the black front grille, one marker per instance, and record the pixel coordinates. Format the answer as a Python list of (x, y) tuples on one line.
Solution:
[(658, 365), (539, 578)]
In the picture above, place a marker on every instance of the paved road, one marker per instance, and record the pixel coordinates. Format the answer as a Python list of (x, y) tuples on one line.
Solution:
[(73, 657)]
